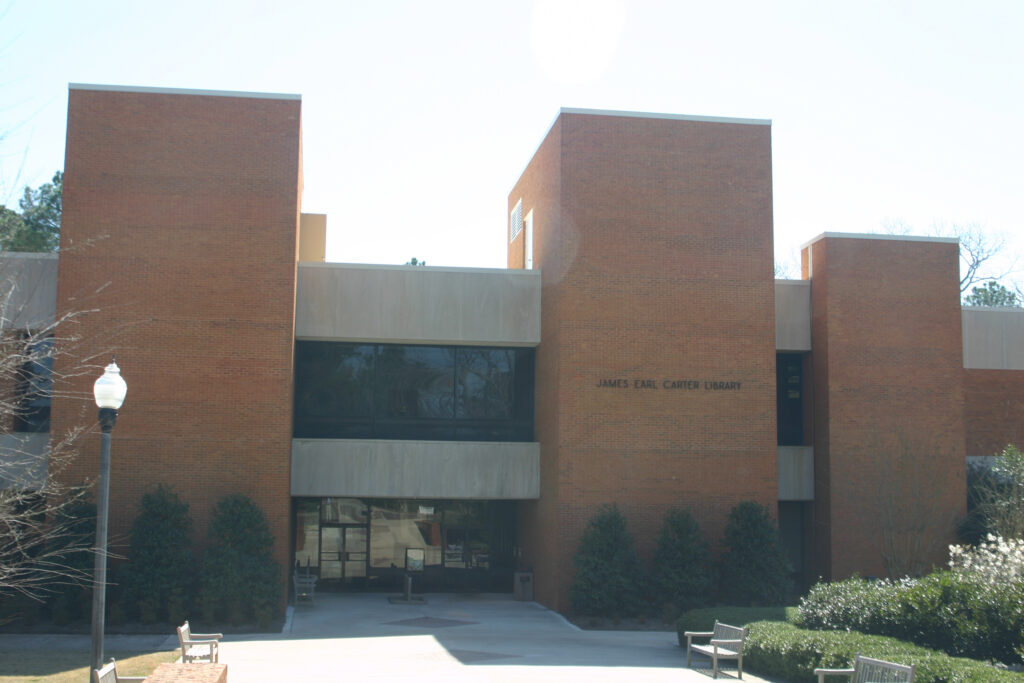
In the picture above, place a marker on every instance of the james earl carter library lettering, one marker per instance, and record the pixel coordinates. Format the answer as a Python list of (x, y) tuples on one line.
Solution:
[(637, 350)]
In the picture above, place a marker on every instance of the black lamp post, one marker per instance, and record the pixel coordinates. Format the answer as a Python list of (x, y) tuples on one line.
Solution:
[(109, 391)]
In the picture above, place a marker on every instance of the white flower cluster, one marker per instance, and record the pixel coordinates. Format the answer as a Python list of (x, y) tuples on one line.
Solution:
[(997, 560)]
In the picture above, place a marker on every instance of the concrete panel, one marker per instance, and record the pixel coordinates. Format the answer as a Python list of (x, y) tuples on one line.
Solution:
[(417, 304), (993, 338), (28, 283), (415, 469), (312, 237), (796, 473), (25, 459), (792, 315)]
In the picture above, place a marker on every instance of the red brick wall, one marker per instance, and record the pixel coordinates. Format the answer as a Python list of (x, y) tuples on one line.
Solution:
[(179, 228), (654, 237), (993, 410), (889, 421)]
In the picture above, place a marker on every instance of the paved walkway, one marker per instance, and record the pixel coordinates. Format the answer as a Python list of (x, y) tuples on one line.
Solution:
[(451, 638)]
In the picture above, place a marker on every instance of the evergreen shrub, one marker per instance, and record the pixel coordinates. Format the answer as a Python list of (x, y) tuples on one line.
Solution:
[(159, 578), (608, 571), (755, 570), (240, 581), (682, 567)]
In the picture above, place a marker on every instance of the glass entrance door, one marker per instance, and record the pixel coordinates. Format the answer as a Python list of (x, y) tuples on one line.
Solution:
[(354, 565), (343, 552), (331, 542)]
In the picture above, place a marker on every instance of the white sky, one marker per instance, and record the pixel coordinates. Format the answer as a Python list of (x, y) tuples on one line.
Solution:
[(418, 117)]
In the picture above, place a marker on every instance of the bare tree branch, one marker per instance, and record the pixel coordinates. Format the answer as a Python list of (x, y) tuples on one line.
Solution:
[(39, 534)]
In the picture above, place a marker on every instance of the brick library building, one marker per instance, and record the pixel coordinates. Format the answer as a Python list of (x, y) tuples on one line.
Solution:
[(637, 350)]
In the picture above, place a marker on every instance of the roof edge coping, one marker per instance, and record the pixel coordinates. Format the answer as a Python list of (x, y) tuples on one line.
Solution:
[(185, 91), (875, 236), (671, 117)]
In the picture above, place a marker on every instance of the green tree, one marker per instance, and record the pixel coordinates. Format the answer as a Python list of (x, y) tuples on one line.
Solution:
[(37, 227), (158, 579), (415, 262), (755, 570), (608, 572), (240, 581), (682, 569), (991, 294), (999, 496)]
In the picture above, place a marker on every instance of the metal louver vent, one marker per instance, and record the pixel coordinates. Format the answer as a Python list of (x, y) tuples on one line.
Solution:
[(516, 220)]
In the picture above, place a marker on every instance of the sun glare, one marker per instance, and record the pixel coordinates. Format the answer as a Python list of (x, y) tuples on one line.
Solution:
[(574, 41)]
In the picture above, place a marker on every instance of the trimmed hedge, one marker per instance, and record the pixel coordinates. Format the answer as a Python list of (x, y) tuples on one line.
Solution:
[(791, 653), (946, 611)]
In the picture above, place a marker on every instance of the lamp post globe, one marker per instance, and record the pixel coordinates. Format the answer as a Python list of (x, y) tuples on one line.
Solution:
[(110, 389), (109, 392)]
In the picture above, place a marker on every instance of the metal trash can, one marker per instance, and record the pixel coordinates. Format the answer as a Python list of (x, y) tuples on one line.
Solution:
[(522, 586)]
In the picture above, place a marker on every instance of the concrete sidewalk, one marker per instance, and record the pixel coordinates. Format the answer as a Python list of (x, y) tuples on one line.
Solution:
[(485, 637)]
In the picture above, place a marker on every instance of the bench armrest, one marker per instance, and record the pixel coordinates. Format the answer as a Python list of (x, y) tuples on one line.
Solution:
[(701, 634), (211, 643), (821, 673), (208, 636)]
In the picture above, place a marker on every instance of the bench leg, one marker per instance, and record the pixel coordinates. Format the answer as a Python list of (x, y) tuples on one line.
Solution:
[(714, 667), (739, 666)]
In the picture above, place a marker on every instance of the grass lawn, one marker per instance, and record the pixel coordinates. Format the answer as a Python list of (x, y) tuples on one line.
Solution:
[(70, 666)]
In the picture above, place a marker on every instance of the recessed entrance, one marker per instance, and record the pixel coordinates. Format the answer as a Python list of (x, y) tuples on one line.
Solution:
[(357, 544)]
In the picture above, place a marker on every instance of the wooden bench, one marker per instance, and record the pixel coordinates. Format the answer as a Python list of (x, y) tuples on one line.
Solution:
[(305, 587), (108, 674), (867, 670), (726, 643), (198, 646)]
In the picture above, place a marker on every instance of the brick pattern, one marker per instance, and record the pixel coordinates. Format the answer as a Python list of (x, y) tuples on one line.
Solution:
[(994, 410), (888, 391), (654, 238), (179, 229), (193, 672)]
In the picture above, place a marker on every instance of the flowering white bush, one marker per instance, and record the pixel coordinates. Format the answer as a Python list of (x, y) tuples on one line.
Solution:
[(996, 561)]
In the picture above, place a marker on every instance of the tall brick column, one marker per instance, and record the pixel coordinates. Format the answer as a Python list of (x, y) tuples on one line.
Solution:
[(656, 368), (888, 386), (179, 233)]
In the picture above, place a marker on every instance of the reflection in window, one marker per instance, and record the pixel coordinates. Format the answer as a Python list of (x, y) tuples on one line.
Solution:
[(343, 511), (307, 533), (394, 391), (485, 383), (397, 525), (337, 389), (415, 381)]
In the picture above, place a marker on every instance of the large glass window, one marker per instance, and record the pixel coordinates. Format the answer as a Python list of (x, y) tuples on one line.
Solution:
[(336, 400), (789, 402), (395, 391)]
